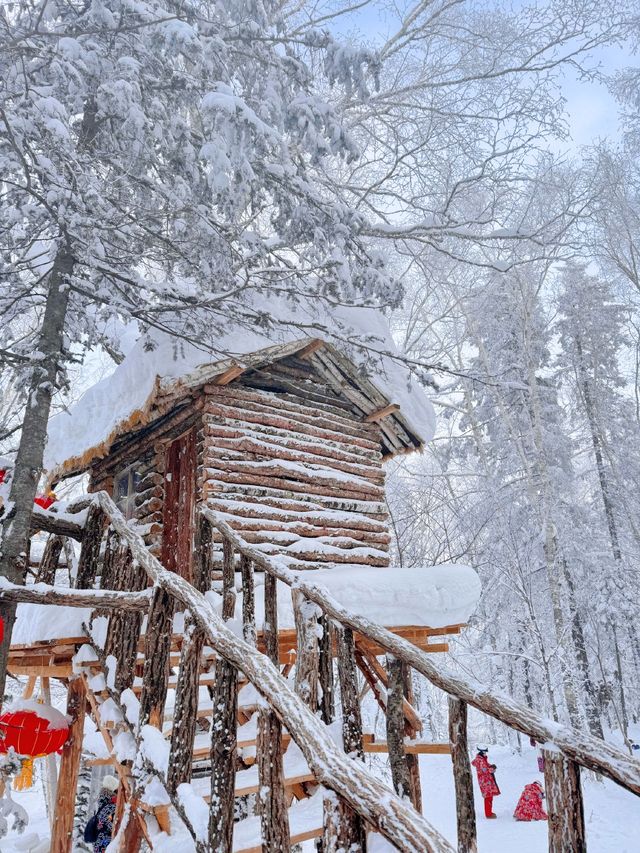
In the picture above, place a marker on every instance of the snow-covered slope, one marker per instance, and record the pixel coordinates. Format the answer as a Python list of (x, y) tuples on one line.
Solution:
[(118, 399)]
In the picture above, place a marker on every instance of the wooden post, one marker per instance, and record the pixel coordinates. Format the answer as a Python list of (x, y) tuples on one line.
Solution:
[(224, 728), (248, 601), (411, 758), (462, 777), (157, 646), (49, 562), (223, 757), (327, 700), (564, 804), (307, 649), (62, 834), (228, 581), (90, 550), (188, 686), (274, 819), (395, 727), (344, 829)]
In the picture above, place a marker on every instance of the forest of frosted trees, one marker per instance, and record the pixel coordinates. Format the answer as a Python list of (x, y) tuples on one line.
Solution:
[(161, 163)]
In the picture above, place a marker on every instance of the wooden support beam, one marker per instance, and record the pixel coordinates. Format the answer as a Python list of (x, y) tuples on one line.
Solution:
[(90, 550), (185, 713), (229, 375), (65, 597), (462, 777), (307, 649), (327, 702), (374, 417), (310, 348), (49, 562), (248, 602), (564, 804), (274, 819), (346, 829), (395, 727), (62, 832), (411, 758), (155, 675), (228, 580)]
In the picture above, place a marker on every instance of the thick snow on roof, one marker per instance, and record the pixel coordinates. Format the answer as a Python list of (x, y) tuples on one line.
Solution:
[(424, 596), (121, 399)]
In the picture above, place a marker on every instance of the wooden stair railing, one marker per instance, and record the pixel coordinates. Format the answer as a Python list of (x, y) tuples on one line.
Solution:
[(354, 800)]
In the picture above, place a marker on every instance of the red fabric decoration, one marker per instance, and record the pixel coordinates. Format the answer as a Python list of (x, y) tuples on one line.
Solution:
[(530, 803), (3, 474), (29, 734), (1, 629), (45, 501)]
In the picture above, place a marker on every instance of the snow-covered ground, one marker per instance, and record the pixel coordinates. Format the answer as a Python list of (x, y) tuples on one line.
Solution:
[(612, 815)]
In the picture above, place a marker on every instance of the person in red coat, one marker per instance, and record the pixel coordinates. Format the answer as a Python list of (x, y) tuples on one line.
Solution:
[(486, 780), (530, 803)]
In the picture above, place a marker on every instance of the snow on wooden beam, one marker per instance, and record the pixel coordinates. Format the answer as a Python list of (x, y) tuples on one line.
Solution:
[(43, 594), (396, 819), (229, 375), (374, 417), (586, 750)]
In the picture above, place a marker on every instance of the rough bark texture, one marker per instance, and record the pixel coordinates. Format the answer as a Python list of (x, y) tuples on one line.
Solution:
[(16, 523), (49, 562), (187, 688), (223, 757), (186, 708), (274, 820), (155, 676), (90, 550), (327, 701), (351, 830), (62, 834), (462, 777), (411, 758), (228, 581), (564, 804), (586, 750), (395, 728), (307, 649), (248, 602)]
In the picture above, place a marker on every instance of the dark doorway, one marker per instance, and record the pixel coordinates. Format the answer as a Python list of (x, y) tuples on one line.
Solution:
[(178, 511)]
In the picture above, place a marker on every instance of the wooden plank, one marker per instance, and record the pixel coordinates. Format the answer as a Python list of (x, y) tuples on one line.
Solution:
[(462, 777), (229, 375), (376, 416), (62, 831), (310, 348)]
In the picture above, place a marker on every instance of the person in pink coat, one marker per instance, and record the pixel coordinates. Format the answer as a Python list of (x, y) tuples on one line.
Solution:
[(486, 780), (530, 803)]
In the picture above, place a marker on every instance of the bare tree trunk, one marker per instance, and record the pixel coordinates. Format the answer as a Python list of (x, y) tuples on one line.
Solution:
[(564, 804), (462, 778), (16, 523)]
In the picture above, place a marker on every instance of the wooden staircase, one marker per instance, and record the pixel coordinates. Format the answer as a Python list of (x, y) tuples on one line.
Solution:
[(206, 717)]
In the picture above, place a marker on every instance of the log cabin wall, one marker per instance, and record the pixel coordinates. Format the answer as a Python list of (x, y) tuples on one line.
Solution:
[(294, 469), (144, 451)]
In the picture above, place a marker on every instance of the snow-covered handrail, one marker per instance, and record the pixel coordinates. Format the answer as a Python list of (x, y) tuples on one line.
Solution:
[(584, 749), (41, 593), (392, 816)]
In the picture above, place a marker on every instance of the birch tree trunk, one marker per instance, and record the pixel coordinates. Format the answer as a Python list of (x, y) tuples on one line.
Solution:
[(28, 465)]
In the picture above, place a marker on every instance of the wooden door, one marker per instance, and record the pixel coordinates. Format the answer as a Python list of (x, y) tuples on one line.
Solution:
[(179, 500)]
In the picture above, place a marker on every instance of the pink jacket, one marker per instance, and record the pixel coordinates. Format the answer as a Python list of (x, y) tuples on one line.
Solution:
[(486, 778)]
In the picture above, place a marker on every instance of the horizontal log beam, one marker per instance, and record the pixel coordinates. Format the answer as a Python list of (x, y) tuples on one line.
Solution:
[(374, 417), (586, 750), (65, 597), (59, 525)]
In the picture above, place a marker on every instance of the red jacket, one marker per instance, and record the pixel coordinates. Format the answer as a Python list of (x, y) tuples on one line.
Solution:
[(530, 804), (486, 778)]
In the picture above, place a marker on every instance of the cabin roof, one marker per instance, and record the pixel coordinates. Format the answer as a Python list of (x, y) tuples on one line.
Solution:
[(151, 380)]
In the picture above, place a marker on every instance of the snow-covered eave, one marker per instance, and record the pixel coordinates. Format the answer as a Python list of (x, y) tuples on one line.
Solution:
[(171, 390)]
